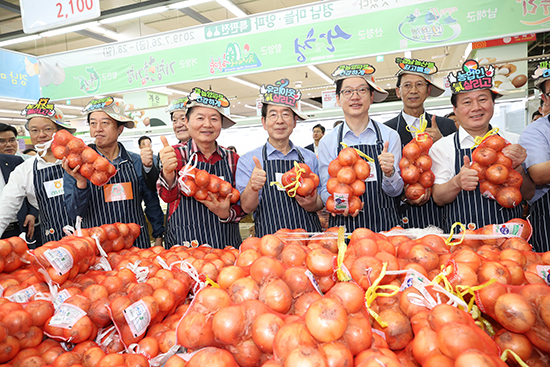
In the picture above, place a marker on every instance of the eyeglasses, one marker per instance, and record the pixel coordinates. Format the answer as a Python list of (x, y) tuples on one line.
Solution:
[(4, 141), (47, 131), (419, 86), (347, 93), (274, 116)]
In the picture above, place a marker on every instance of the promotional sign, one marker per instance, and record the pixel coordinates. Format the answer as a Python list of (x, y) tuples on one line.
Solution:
[(329, 99), (311, 34), (505, 41), (40, 15), (19, 76), (509, 76)]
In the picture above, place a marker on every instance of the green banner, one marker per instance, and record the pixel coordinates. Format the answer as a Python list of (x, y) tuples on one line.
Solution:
[(311, 34)]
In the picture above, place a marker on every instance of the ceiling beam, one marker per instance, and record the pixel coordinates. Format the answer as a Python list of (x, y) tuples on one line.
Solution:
[(195, 15), (10, 7), (99, 37)]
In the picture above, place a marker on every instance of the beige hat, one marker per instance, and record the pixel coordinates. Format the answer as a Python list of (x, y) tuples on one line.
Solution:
[(43, 108), (541, 74), (114, 109), (279, 94), (210, 99), (473, 77), (179, 104), (422, 68), (364, 71)]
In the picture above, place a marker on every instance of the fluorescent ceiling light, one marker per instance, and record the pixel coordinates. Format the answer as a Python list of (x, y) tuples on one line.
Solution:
[(14, 41), (310, 105), (106, 32), (232, 8), (14, 100), (186, 4), (70, 116), (468, 50), (67, 106), (10, 111), (249, 106), (11, 119), (244, 82), (176, 91), (238, 116), (133, 15), (73, 28), (320, 73)]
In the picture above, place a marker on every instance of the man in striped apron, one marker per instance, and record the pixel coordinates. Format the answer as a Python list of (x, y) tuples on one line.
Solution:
[(39, 179), (213, 222), (356, 90), (120, 199), (414, 84), (456, 183), (272, 207), (535, 138)]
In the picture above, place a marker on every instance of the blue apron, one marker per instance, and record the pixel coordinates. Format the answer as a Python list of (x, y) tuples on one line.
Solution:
[(379, 212), (413, 216), (192, 220), (277, 210), (470, 208), (53, 212), (124, 211), (539, 216)]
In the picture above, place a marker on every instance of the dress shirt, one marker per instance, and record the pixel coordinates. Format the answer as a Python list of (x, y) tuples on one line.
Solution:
[(535, 138), (443, 155)]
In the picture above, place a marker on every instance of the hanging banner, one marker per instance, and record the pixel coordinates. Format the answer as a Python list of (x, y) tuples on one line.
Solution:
[(311, 34), (505, 41), (19, 76)]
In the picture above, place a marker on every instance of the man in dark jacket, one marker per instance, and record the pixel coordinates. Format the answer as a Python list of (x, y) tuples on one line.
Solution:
[(414, 84)]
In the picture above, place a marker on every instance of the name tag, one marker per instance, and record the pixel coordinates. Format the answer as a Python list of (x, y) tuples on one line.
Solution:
[(54, 188), (118, 192), (372, 176)]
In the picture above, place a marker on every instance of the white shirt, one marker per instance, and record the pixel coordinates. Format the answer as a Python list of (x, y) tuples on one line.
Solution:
[(443, 155), (19, 187), (411, 120), (2, 182)]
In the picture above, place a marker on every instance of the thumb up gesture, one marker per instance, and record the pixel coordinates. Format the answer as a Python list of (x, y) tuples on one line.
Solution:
[(467, 176), (386, 160), (258, 176), (168, 158), (434, 130), (146, 153)]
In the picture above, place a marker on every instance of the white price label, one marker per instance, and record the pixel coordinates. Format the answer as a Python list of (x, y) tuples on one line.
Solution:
[(61, 297), (60, 258), (1, 291), (23, 295), (544, 272), (316, 285), (66, 316), (40, 15), (138, 317)]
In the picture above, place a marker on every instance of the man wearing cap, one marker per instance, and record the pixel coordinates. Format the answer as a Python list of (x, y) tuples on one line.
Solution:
[(456, 183), (535, 138), (39, 179), (93, 203), (151, 165), (414, 84), (272, 207), (355, 92), (211, 220)]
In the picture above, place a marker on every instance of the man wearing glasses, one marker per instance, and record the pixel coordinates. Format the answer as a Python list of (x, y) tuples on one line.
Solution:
[(272, 207), (414, 84), (355, 92)]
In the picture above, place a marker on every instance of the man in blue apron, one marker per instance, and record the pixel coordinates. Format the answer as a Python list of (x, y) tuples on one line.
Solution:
[(120, 199), (414, 84), (39, 179), (456, 183), (535, 138), (356, 90), (272, 207), (213, 222)]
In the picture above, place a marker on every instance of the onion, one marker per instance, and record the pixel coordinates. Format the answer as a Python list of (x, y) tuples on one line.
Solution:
[(326, 319), (539, 335), (264, 329), (467, 257), (304, 301), (276, 295), (326, 283), (516, 272), (336, 354), (271, 245), (244, 289), (454, 338), (298, 282), (247, 257), (464, 276), (399, 331), (514, 313), (439, 361), (425, 345), (518, 343), (294, 255), (229, 275), (408, 308), (348, 294), (379, 360), (246, 353), (212, 357), (212, 299), (443, 314), (305, 357), (195, 331), (320, 262), (545, 310), (250, 243), (292, 336), (471, 358), (493, 270), (517, 243), (365, 270), (229, 326), (366, 247), (424, 256), (358, 335), (266, 267)]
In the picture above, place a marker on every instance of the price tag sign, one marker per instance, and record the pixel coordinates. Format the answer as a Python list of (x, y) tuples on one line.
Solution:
[(40, 15)]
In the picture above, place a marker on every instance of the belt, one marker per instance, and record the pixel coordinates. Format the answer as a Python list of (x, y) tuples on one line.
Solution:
[(12, 226)]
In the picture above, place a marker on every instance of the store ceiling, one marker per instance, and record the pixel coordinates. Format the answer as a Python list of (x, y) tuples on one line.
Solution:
[(240, 95)]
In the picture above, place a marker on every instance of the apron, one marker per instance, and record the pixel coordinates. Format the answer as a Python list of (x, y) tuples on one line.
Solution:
[(48, 186), (413, 216), (539, 214), (277, 210), (470, 208), (192, 220), (379, 212), (125, 211)]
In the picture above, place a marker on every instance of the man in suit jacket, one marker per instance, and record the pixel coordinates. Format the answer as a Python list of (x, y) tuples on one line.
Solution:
[(414, 84), (318, 133)]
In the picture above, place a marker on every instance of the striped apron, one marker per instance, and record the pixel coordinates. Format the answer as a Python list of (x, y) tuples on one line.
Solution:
[(48, 187), (192, 220), (379, 212), (470, 208), (125, 211), (277, 210), (540, 220)]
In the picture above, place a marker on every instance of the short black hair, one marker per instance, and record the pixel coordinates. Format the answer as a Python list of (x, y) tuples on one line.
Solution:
[(320, 127), (341, 81), (398, 84), (542, 87), (536, 113), (336, 123), (454, 97), (6, 127), (28, 150), (144, 137), (449, 115), (189, 110), (264, 110)]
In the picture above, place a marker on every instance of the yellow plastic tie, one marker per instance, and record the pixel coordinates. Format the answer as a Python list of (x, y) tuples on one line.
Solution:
[(361, 154), (371, 294), (419, 131), (466, 289), (448, 240), (504, 357), (211, 282), (342, 275), (478, 139), (442, 277), (293, 185)]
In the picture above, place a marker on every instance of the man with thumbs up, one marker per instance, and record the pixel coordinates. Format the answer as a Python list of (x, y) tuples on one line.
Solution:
[(415, 83), (355, 92), (456, 183)]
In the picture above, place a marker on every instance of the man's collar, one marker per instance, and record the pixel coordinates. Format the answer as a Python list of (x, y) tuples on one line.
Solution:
[(346, 128), (194, 148), (271, 148)]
